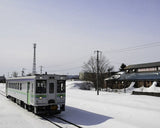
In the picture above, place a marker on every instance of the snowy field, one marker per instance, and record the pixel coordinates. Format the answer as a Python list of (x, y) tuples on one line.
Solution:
[(85, 108)]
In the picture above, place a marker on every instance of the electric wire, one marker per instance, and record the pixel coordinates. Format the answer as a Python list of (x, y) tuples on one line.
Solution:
[(127, 49), (138, 47)]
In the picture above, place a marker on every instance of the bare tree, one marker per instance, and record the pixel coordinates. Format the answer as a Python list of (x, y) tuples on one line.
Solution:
[(15, 74), (90, 69)]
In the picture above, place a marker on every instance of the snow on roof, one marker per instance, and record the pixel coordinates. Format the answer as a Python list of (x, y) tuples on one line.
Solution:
[(144, 65), (116, 76)]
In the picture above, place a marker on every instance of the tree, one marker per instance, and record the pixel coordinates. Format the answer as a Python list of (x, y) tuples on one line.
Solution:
[(90, 70), (122, 67), (15, 74)]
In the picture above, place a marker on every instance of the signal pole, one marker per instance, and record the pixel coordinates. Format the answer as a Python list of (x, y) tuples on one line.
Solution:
[(41, 67), (97, 75)]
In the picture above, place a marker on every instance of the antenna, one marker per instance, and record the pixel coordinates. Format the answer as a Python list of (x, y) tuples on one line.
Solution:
[(41, 67), (34, 60)]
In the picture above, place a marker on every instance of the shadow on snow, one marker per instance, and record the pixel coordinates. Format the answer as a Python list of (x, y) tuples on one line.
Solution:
[(82, 117)]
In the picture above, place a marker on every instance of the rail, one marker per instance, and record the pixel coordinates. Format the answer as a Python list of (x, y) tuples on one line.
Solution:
[(60, 122)]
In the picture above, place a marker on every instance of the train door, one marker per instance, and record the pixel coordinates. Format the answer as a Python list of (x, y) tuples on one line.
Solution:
[(7, 85), (28, 93), (51, 91)]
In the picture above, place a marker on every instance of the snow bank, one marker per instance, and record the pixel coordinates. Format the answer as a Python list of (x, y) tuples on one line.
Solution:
[(131, 87), (126, 90), (2, 87), (152, 88), (84, 85)]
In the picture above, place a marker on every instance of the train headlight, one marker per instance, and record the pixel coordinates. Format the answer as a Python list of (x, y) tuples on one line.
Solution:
[(61, 97), (40, 98)]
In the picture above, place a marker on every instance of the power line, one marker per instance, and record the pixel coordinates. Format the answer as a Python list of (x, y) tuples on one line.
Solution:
[(138, 47)]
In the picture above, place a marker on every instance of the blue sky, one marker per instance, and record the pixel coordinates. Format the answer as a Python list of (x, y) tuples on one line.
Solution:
[(68, 31)]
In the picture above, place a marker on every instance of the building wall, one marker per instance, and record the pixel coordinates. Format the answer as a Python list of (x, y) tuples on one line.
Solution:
[(118, 84)]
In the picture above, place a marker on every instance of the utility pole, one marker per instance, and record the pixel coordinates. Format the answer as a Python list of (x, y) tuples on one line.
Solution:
[(41, 67), (97, 75)]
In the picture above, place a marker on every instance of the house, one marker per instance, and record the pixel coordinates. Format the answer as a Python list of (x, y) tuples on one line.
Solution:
[(142, 74)]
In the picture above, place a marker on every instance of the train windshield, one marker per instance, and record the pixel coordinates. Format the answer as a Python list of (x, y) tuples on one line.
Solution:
[(60, 86), (41, 86)]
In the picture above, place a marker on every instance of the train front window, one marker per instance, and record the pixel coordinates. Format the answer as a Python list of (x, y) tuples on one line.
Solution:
[(41, 86), (60, 86)]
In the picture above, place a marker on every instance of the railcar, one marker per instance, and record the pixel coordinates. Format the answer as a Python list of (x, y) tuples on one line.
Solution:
[(41, 94)]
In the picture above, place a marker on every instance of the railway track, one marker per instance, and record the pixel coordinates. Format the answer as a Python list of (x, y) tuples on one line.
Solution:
[(60, 122), (55, 120)]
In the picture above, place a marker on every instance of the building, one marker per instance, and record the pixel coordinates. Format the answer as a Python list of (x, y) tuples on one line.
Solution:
[(2, 79), (142, 74)]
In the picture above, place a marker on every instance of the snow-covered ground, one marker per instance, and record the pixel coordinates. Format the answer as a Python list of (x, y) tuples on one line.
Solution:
[(85, 108), (13, 116)]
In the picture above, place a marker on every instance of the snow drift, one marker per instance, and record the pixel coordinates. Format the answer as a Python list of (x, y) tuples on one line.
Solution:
[(152, 88)]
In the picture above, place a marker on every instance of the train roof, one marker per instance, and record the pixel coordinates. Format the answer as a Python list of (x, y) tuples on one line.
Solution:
[(34, 76), (21, 77)]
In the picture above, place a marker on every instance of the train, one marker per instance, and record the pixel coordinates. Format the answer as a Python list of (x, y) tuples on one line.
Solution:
[(39, 93)]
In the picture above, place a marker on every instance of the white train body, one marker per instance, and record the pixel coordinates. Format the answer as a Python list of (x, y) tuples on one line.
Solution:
[(38, 93)]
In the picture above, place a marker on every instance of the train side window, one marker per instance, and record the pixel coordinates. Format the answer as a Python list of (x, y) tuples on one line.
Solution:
[(17, 86), (51, 87), (32, 88), (28, 86), (20, 86)]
